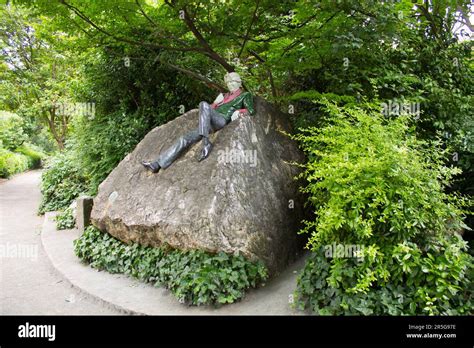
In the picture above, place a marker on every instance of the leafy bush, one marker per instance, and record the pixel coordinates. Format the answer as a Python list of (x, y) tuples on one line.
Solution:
[(101, 143), (12, 163), (194, 277), (65, 219), (23, 158), (43, 140), (62, 181), (376, 188), (34, 155), (11, 130)]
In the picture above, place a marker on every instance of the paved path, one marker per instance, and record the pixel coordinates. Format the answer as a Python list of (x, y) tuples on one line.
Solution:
[(28, 282), (39, 273)]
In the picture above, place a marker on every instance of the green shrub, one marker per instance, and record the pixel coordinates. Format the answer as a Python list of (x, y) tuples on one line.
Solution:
[(62, 181), (379, 191), (194, 277), (65, 220), (43, 140), (11, 130), (12, 163), (33, 154), (101, 143)]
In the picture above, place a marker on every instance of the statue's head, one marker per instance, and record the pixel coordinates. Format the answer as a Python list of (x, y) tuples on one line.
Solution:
[(233, 81)]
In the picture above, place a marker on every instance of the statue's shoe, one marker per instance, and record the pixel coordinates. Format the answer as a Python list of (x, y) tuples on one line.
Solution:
[(206, 150), (153, 166)]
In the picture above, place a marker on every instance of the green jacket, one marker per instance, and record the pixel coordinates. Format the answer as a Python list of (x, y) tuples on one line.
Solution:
[(243, 101)]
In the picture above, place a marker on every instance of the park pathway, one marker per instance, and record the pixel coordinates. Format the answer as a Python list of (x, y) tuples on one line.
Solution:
[(28, 282)]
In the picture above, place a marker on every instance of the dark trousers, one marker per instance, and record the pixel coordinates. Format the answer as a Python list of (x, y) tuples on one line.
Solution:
[(209, 121)]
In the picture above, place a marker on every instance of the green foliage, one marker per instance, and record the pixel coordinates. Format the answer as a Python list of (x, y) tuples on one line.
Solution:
[(373, 184), (40, 72), (65, 219), (62, 181), (33, 154), (12, 163), (15, 155), (342, 49), (42, 140), (25, 157), (11, 130), (102, 143), (434, 280), (194, 277)]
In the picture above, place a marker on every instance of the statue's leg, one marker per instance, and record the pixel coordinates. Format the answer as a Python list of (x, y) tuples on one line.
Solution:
[(209, 120), (204, 127), (170, 154), (217, 121)]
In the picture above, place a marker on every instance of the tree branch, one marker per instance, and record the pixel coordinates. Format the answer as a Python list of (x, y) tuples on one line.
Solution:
[(133, 42), (294, 43), (246, 37), (144, 14), (467, 21), (195, 75), (205, 45), (269, 72)]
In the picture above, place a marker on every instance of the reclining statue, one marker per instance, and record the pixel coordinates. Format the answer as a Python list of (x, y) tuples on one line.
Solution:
[(226, 108)]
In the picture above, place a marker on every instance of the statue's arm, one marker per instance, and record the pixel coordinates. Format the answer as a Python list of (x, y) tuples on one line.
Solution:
[(246, 107), (219, 98), (248, 104)]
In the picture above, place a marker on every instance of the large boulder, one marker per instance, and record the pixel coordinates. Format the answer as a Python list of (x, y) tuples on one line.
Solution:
[(242, 198)]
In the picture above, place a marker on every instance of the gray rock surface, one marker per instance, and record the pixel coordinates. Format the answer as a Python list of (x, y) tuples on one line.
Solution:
[(83, 212), (241, 199)]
